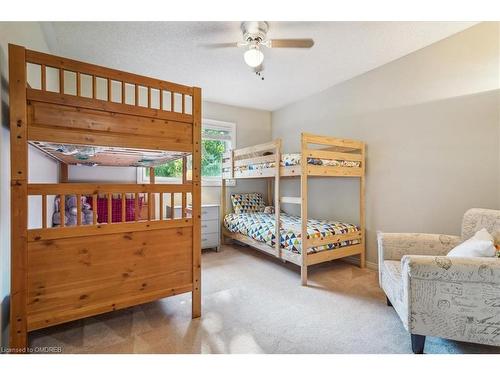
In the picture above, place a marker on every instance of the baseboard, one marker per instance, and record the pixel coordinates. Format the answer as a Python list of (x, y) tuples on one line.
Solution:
[(355, 260)]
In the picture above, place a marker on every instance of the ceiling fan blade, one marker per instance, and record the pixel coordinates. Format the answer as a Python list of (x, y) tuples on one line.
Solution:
[(224, 45), (220, 45), (290, 43)]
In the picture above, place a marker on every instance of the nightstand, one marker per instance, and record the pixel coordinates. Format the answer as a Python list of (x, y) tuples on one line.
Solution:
[(210, 224)]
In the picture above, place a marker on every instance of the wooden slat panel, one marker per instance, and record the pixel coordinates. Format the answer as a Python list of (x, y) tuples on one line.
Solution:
[(44, 77), (109, 96), (89, 188), (254, 160), (78, 84), (254, 149), (94, 209), (331, 141), (83, 137), (150, 206), (78, 209), (61, 81), (315, 242), (94, 87), (90, 103), (91, 69), (63, 172), (291, 171), (319, 170), (327, 255), (256, 173), (161, 206), (62, 209), (88, 230), (332, 155), (172, 205), (110, 208), (292, 200), (75, 275), (64, 316), (136, 206), (124, 205), (44, 211)]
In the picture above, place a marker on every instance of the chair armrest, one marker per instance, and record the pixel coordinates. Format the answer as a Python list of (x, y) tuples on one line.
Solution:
[(452, 269), (453, 297), (393, 246)]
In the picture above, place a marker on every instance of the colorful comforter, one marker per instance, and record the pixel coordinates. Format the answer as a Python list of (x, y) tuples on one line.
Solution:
[(260, 227), (288, 160)]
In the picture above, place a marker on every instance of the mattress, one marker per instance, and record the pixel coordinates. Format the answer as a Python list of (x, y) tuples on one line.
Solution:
[(288, 160), (260, 226)]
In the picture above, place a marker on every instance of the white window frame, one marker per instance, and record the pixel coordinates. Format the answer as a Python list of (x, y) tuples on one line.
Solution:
[(205, 181)]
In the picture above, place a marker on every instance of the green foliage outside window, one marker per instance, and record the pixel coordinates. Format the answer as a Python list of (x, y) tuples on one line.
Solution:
[(211, 161)]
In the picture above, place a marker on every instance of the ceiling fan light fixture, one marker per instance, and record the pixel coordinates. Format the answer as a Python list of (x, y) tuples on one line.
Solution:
[(253, 57)]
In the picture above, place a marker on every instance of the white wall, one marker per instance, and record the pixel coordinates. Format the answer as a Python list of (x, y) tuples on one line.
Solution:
[(28, 34), (431, 124)]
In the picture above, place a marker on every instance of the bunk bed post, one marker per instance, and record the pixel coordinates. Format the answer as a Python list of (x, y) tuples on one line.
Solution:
[(303, 208), (362, 224), (19, 196), (222, 207), (277, 224), (196, 203)]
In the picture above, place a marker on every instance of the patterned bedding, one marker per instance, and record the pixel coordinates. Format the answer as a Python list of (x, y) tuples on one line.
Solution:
[(288, 160), (260, 227)]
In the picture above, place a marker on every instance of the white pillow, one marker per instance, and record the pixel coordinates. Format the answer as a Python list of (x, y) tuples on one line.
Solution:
[(479, 245)]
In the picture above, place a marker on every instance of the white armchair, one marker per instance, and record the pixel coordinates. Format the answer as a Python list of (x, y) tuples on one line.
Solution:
[(434, 295)]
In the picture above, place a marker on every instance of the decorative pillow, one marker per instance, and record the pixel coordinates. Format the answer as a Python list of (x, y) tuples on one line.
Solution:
[(247, 202), (269, 210), (479, 245)]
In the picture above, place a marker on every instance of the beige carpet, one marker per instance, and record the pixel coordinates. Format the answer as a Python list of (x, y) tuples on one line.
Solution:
[(253, 303)]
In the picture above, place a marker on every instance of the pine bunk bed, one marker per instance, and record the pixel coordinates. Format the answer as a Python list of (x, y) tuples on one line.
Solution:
[(71, 271), (320, 156)]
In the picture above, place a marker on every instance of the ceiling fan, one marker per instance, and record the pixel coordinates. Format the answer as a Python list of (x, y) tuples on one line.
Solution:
[(255, 37)]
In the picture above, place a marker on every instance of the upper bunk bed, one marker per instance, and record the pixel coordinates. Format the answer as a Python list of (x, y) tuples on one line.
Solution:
[(83, 114)]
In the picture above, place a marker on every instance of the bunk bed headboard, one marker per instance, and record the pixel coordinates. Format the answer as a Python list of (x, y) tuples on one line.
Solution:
[(65, 273)]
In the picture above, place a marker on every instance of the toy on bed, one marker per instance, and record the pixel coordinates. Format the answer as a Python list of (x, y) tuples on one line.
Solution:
[(70, 212)]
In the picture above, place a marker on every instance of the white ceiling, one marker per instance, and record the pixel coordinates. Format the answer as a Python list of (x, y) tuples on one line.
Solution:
[(174, 51)]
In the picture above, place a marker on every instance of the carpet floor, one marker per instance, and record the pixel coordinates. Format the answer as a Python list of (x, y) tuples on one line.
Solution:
[(253, 303)]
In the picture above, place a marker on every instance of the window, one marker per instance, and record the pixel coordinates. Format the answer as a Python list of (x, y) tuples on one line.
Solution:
[(216, 138)]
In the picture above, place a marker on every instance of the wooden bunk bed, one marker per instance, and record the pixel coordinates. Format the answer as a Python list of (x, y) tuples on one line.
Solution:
[(68, 272), (320, 156)]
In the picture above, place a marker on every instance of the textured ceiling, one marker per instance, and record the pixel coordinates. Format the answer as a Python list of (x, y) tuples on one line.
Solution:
[(174, 51)]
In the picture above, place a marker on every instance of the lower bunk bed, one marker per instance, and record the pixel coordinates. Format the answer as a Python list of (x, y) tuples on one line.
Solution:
[(257, 229)]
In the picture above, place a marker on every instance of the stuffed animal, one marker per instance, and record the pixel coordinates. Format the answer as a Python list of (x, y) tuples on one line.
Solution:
[(70, 212)]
